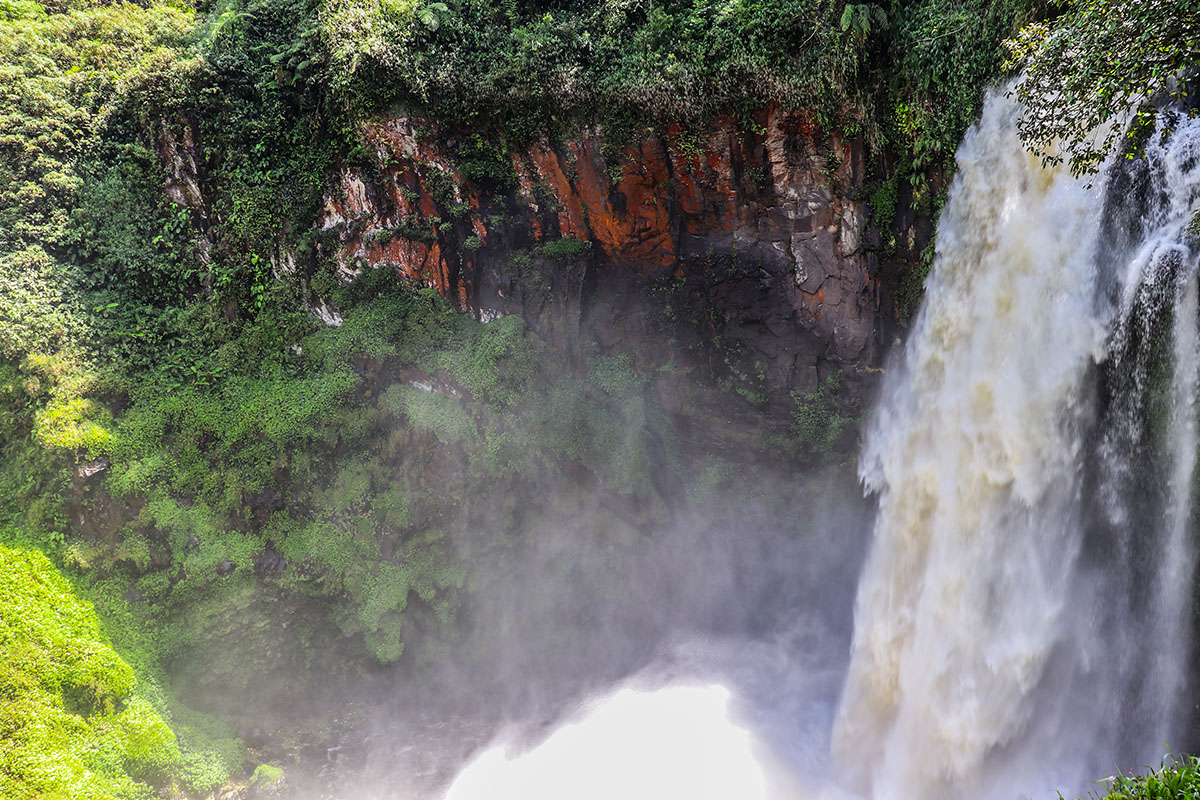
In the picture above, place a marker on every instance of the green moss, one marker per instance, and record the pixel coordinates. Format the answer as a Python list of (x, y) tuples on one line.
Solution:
[(716, 474), (479, 159), (444, 417), (912, 288), (211, 755), (883, 208), (565, 249), (819, 421), (266, 776), (72, 721)]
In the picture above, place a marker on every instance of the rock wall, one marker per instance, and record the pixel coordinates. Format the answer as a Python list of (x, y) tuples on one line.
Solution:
[(756, 236), (747, 251)]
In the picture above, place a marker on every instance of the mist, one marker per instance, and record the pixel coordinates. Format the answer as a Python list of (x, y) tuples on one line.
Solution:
[(742, 604), (725, 649)]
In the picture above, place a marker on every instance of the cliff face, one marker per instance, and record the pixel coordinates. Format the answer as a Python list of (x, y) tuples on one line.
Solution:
[(749, 247), (740, 268), (745, 254)]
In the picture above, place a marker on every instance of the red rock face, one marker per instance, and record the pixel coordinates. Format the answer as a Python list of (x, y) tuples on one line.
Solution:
[(749, 245), (776, 198)]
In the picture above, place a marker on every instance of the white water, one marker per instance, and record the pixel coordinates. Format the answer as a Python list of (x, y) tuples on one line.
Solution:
[(1157, 285), (974, 452), (979, 661), (1009, 640), (1178, 158)]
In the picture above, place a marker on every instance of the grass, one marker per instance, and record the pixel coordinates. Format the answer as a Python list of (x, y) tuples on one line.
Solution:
[(1176, 779)]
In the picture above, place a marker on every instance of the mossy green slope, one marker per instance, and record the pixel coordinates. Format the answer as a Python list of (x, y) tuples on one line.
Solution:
[(73, 724)]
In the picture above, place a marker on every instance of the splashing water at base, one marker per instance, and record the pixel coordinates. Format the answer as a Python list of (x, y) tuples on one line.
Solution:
[(677, 742)]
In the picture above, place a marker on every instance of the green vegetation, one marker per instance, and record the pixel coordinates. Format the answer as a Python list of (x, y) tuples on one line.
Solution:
[(566, 249), (64, 69), (942, 57), (910, 75), (818, 422), (1101, 62), (74, 722), (913, 286), (1177, 779), (81, 721), (266, 776)]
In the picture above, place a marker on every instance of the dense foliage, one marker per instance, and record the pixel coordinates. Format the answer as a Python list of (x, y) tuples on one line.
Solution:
[(62, 70), (1100, 66), (73, 723), (909, 75)]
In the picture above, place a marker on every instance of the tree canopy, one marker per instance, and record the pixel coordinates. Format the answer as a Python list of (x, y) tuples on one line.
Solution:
[(1093, 75)]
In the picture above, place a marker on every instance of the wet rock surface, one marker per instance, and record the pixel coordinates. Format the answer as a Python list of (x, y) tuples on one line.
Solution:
[(747, 251), (750, 246)]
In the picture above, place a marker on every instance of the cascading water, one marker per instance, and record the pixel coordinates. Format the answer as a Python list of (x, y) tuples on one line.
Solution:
[(1020, 622)]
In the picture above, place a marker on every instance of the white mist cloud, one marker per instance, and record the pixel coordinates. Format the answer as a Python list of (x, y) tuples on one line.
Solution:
[(673, 743)]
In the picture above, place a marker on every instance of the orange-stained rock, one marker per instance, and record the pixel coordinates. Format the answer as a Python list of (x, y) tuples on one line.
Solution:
[(752, 234), (776, 197)]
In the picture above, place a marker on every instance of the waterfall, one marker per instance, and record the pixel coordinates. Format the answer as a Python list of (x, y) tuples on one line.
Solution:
[(1020, 624)]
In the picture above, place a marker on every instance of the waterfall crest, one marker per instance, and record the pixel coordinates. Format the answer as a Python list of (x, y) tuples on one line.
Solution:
[(1054, 359)]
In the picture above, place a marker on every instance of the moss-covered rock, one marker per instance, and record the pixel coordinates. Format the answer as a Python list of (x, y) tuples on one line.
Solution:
[(72, 721)]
